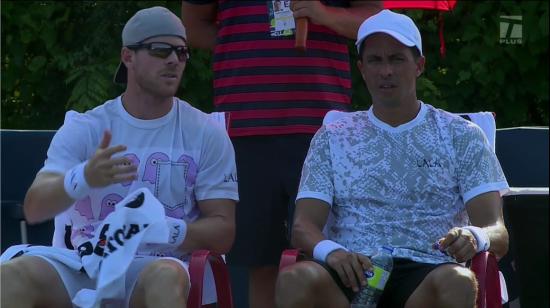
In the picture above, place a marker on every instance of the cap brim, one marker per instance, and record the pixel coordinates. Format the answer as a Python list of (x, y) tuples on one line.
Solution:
[(393, 34), (121, 74)]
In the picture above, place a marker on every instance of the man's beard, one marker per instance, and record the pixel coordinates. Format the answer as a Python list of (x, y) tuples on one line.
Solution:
[(158, 89)]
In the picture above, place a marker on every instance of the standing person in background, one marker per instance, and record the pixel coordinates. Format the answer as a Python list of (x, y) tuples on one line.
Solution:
[(277, 98)]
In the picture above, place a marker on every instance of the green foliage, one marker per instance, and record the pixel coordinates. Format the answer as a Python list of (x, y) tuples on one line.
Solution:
[(61, 55), (480, 73)]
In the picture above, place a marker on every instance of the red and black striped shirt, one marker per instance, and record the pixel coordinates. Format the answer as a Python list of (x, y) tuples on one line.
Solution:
[(268, 87)]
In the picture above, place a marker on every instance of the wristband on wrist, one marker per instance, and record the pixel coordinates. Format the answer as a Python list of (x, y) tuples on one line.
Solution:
[(177, 230), (482, 239), (75, 182), (324, 248)]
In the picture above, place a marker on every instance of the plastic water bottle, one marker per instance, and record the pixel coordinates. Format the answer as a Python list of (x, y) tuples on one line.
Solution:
[(382, 263)]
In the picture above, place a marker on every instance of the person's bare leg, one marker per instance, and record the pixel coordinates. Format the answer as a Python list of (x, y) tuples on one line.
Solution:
[(261, 286), (447, 286), (30, 281), (163, 283), (307, 284)]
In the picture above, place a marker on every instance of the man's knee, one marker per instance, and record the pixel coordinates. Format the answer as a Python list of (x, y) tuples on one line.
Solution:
[(301, 278), (161, 282), (165, 272), (306, 273), (461, 278), (457, 282), (27, 272), (308, 284), (31, 280), (14, 278)]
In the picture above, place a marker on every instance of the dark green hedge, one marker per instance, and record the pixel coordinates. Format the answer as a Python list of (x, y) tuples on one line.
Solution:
[(62, 55)]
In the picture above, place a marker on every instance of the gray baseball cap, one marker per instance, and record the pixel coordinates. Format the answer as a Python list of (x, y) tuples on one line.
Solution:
[(145, 24)]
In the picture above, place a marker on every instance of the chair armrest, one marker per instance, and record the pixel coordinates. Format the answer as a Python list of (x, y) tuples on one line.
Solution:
[(221, 278), (289, 257), (485, 267)]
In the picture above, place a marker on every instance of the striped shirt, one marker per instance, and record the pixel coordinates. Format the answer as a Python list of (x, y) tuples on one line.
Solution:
[(268, 87)]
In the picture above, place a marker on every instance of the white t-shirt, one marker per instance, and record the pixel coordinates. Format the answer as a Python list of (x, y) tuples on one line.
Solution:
[(183, 157), (402, 186)]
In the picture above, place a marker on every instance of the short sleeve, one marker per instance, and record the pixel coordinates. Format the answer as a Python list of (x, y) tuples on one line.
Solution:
[(317, 175), (217, 174), (479, 170), (70, 144)]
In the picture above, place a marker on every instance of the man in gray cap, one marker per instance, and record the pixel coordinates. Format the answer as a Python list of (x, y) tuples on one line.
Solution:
[(420, 181), (145, 139)]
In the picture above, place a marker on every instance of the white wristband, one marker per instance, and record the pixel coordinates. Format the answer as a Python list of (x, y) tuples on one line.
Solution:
[(481, 236), (324, 248), (177, 229), (75, 182)]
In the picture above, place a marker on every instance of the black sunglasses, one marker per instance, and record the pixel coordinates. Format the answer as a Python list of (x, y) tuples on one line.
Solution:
[(163, 50)]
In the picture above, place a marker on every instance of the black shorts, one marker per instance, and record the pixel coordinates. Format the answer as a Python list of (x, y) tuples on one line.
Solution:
[(405, 277), (268, 169)]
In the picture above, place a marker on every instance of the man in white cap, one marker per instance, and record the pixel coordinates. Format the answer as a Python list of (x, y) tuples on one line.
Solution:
[(145, 139), (402, 174)]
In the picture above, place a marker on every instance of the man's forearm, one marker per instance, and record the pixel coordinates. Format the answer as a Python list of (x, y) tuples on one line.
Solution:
[(205, 38), (305, 236), (346, 21), (200, 24), (498, 238), (214, 233), (46, 198)]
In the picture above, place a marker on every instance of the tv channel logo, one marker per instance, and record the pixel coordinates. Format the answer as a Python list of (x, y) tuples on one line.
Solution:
[(511, 29)]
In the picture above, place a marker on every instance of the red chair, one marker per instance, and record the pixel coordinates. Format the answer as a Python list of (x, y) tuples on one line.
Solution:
[(200, 257), (484, 265), (221, 279)]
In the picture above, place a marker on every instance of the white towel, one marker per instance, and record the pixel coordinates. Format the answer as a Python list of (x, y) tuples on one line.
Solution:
[(138, 218), (61, 221)]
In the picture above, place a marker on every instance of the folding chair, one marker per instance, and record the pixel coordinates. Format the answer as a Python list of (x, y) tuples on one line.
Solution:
[(484, 264)]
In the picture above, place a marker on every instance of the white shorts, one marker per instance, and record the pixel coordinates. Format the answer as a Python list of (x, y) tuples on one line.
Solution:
[(75, 280)]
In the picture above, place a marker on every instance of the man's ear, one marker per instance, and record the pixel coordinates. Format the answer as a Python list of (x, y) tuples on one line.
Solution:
[(420, 65), (360, 68), (126, 56)]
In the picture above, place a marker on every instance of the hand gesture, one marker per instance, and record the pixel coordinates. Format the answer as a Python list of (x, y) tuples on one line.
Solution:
[(103, 170), (459, 243), (350, 267), (314, 10)]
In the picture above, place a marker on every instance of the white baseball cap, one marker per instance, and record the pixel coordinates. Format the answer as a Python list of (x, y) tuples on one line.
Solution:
[(399, 26)]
